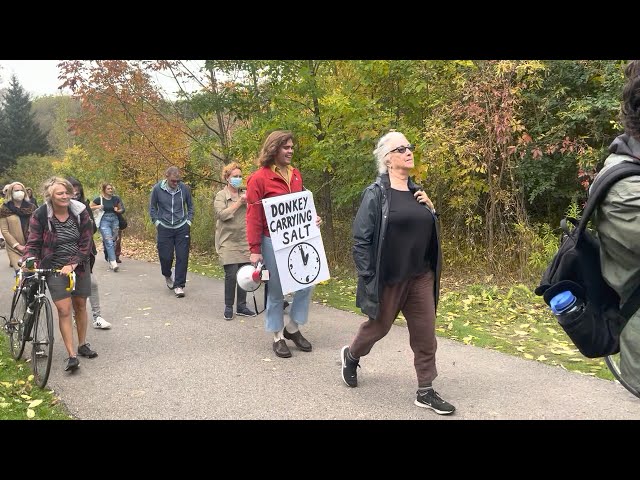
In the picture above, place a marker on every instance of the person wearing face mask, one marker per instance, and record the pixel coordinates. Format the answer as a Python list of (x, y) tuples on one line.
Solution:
[(14, 222), (230, 207)]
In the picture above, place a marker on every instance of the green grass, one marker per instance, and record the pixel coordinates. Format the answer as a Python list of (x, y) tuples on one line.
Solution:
[(20, 398)]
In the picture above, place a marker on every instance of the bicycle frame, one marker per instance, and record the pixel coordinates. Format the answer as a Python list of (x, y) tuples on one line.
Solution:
[(32, 320)]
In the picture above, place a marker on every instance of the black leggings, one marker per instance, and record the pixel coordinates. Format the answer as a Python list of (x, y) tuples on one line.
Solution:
[(231, 286)]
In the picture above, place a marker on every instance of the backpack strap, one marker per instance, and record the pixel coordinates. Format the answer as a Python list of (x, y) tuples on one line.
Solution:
[(632, 305), (599, 189), (601, 186)]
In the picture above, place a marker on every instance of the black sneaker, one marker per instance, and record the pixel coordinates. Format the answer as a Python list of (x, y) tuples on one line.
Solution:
[(72, 364), (228, 312), (431, 399), (349, 368), (245, 312), (85, 351)]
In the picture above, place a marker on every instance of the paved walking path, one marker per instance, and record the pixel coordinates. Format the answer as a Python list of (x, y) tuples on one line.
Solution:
[(171, 358)]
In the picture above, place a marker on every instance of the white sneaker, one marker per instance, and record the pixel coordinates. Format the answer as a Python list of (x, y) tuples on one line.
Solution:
[(100, 322), (114, 265), (179, 291)]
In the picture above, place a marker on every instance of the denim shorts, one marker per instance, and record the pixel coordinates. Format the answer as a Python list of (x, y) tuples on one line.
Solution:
[(57, 285)]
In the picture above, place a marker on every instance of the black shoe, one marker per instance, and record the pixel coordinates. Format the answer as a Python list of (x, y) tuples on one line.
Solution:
[(281, 349), (228, 312), (431, 399), (349, 368), (72, 364), (301, 342), (118, 260), (85, 351), (245, 312)]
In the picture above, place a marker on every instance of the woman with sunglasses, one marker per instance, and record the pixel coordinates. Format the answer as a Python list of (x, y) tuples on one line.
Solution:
[(398, 258)]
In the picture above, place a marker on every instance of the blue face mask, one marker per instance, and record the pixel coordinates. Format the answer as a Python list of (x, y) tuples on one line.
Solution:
[(235, 182)]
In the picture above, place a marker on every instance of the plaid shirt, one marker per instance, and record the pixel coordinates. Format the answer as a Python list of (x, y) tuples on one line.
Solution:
[(43, 237)]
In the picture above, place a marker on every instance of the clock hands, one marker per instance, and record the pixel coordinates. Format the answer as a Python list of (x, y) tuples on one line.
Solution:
[(305, 258)]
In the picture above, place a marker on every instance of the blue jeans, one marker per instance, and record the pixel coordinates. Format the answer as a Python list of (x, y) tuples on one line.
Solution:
[(274, 317), (109, 228)]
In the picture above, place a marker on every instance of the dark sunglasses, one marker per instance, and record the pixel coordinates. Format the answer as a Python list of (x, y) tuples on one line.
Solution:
[(402, 149)]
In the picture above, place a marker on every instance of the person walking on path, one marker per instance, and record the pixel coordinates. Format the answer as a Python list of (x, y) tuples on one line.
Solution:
[(616, 222), (109, 225), (276, 177), (14, 222), (396, 250), (94, 297), (230, 206), (60, 233), (171, 211)]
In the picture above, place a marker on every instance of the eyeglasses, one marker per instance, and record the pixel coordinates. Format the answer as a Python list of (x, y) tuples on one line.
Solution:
[(402, 149)]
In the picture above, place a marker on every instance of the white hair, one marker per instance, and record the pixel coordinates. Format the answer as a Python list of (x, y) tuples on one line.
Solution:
[(382, 149)]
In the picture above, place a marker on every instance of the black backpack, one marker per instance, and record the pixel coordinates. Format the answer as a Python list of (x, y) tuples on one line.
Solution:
[(576, 267)]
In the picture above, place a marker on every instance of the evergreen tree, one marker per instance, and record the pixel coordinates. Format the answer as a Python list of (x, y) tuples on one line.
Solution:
[(19, 133)]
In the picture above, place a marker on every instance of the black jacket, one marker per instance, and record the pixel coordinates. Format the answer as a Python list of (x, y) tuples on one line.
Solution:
[(369, 230)]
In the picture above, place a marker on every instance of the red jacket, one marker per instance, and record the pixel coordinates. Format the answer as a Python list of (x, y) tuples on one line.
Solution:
[(265, 183)]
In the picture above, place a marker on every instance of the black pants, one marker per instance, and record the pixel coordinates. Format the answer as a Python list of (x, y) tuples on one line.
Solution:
[(231, 286), (176, 240)]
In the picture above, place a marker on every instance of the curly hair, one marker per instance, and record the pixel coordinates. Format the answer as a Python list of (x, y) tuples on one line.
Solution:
[(630, 112), (227, 169), (270, 147)]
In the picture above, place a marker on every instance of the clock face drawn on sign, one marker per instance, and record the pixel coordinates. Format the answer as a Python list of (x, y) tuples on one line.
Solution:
[(304, 263)]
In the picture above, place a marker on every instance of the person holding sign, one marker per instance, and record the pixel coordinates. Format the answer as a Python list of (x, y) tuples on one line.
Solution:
[(230, 206), (396, 250), (276, 177)]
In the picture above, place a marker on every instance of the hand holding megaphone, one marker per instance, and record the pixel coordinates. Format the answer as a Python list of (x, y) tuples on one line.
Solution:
[(250, 278)]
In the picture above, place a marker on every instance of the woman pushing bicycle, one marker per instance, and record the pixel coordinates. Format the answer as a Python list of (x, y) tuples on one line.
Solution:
[(60, 233)]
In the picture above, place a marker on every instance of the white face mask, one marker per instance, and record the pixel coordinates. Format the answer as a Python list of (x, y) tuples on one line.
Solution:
[(19, 195)]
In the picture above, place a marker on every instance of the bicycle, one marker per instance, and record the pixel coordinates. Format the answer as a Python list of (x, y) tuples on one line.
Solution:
[(613, 363), (31, 319)]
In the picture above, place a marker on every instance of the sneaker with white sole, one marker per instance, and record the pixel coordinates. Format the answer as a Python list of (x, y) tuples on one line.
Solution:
[(179, 291), (114, 265), (100, 322), (431, 399)]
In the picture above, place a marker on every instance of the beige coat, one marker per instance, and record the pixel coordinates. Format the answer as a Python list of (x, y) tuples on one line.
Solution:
[(12, 233), (231, 229)]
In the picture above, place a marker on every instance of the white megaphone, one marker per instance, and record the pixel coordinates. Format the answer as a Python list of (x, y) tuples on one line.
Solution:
[(250, 278)]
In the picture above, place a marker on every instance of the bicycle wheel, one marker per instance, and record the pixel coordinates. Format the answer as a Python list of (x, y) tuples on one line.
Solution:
[(42, 343), (613, 363), (15, 327)]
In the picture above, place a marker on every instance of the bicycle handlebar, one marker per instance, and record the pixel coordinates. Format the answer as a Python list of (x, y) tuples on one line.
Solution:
[(42, 271)]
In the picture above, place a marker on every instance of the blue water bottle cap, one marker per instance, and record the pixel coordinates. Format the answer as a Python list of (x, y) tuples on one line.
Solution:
[(561, 301)]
